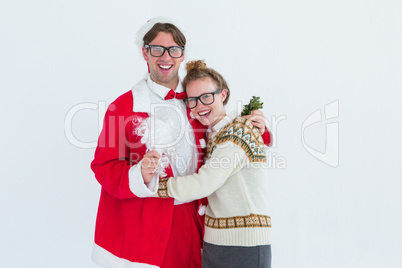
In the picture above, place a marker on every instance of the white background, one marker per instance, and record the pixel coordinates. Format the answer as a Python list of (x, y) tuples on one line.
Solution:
[(297, 55)]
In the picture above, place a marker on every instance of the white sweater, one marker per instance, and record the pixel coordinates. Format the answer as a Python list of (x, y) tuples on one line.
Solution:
[(234, 180)]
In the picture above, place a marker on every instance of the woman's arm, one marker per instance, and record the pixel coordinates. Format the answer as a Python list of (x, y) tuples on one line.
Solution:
[(227, 159), (237, 144)]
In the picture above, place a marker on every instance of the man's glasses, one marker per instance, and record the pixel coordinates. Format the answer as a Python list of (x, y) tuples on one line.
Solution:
[(158, 51), (206, 99)]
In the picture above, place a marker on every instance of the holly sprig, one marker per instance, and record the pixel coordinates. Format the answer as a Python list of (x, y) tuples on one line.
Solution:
[(254, 104)]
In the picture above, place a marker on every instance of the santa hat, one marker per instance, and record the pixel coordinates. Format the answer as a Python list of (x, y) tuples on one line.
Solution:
[(148, 26)]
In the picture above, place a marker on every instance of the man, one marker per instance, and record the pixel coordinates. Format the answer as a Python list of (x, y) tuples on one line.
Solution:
[(133, 231)]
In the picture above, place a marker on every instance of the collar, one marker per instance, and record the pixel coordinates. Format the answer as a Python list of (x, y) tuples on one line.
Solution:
[(211, 132), (147, 92), (223, 122), (160, 90)]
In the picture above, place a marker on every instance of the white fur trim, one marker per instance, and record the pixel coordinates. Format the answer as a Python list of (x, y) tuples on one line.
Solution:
[(106, 259), (201, 210), (141, 97), (137, 185)]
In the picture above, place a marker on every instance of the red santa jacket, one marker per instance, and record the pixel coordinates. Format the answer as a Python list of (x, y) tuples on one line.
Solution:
[(126, 224)]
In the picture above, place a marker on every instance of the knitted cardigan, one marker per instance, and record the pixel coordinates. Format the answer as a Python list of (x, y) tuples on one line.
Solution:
[(234, 180)]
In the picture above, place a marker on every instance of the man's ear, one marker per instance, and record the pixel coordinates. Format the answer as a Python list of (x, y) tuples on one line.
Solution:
[(182, 57), (145, 54)]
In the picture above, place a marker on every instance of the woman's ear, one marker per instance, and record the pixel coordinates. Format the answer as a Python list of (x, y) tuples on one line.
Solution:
[(224, 94)]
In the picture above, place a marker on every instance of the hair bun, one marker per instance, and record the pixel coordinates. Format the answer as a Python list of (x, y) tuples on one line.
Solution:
[(195, 65)]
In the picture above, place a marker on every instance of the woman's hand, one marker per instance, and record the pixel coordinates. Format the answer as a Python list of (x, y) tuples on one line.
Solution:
[(149, 164)]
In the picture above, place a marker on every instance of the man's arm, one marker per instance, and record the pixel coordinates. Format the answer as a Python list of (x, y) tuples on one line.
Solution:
[(116, 167), (258, 120)]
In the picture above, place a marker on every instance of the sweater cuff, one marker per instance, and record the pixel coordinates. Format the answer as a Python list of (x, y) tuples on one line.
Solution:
[(162, 190), (137, 185)]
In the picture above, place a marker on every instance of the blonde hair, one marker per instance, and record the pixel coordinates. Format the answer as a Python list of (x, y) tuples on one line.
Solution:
[(198, 69)]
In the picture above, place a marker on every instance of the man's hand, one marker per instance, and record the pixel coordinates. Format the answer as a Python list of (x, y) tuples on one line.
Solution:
[(257, 119), (149, 164)]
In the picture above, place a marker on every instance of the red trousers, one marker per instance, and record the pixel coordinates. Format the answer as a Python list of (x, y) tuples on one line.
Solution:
[(185, 241)]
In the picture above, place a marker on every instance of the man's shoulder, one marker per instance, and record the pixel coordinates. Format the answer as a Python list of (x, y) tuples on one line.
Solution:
[(123, 102), (124, 105), (127, 99)]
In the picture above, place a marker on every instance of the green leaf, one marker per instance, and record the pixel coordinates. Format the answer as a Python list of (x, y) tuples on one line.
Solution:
[(254, 104)]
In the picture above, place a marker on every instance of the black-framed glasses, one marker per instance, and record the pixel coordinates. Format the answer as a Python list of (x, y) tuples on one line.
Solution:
[(158, 51), (206, 99)]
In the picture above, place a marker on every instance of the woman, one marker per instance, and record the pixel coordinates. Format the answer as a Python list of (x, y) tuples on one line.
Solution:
[(237, 225)]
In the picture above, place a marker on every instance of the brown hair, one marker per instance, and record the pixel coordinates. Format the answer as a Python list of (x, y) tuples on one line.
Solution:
[(178, 36), (198, 69)]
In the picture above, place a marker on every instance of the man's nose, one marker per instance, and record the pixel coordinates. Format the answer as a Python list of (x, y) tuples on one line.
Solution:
[(166, 55)]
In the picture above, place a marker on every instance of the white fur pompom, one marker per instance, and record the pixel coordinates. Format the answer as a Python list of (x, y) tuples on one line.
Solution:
[(203, 144), (202, 210)]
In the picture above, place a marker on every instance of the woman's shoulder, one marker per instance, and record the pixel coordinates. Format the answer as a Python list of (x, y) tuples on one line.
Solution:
[(242, 122), (242, 132), (242, 128)]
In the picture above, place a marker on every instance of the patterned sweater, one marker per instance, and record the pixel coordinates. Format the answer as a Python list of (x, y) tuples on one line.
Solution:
[(234, 180)]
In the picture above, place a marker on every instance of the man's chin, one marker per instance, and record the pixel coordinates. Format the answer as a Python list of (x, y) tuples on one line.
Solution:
[(164, 79)]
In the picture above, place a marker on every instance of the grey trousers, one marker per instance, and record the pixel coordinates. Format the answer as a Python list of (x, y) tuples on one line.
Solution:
[(214, 256)]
